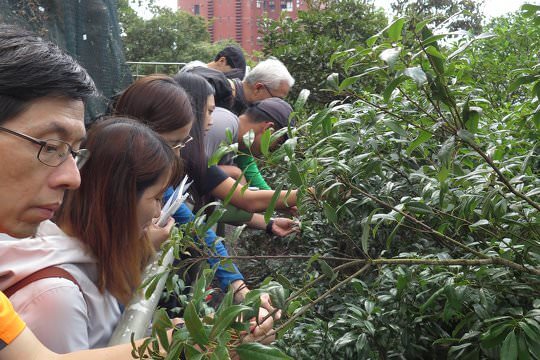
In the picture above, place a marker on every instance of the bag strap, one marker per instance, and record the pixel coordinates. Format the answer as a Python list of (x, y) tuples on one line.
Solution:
[(45, 273)]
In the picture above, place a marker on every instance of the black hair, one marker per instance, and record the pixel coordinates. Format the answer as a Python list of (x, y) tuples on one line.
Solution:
[(33, 68), (194, 155), (220, 83), (234, 57)]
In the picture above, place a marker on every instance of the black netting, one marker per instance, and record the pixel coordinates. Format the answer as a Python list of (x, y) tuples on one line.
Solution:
[(87, 29)]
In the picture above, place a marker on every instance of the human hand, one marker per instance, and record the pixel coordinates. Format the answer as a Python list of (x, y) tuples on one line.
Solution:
[(156, 234), (266, 303), (241, 290), (261, 328), (292, 211), (284, 226)]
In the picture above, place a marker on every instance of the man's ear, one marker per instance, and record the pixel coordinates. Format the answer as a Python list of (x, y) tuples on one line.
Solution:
[(222, 60), (267, 125)]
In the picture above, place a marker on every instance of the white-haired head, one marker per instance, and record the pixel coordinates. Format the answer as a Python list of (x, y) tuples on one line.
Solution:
[(270, 72)]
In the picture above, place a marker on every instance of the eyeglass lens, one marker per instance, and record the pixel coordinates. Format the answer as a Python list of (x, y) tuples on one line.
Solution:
[(55, 152)]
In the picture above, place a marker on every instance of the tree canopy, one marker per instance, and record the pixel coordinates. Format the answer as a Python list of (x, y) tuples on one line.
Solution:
[(304, 44), (168, 36)]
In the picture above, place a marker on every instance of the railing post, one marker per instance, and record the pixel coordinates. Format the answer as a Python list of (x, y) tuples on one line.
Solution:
[(138, 64)]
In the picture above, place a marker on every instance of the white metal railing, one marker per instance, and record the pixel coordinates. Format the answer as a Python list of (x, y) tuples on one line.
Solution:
[(141, 67)]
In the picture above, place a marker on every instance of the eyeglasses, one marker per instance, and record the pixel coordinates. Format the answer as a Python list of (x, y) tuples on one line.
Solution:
[(268, 90), (182, 144), (54, 152)]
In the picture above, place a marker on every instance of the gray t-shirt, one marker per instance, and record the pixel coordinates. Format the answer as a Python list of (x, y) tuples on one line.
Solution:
[(222, 120)]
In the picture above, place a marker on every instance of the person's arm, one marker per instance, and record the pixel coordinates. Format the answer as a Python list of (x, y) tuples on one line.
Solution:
[(253, 201), (280, 226), (27, 346), (233, 171), (224, 276), (251, 171)]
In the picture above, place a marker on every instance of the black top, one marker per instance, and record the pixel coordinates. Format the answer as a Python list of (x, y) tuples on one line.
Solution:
[(214, 177)]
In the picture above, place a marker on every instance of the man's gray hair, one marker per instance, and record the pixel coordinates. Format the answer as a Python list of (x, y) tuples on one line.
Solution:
[(270, 72)]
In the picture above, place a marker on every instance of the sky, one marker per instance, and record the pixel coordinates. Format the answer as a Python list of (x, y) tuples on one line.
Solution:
[(491, 8)]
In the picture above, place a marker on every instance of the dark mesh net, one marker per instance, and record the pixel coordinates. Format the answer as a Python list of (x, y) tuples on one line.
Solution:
[(87, 29)]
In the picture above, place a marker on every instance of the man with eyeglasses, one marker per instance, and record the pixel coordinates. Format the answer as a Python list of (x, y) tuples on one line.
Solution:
[(42, 93), (269, 78)]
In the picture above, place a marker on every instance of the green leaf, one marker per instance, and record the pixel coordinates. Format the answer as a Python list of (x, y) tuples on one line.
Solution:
[(330, 212), (464, 46), (395, 127), (371, 40), (194, 325), (431, 50), (225, 318), (479, 223), (523, 348), (270, 209), (265, 142), (466, 136), (366, 226), (390, 56), (394, 29), (417, 74), (534, 347), (347, 82), (301, 100), (390, 237), (278, 294), (220, 152), (229, 136), (295, 176), (160, 324), (418, 207), (422, 24), (524, 79), (151, 287), (471, 117), (248, 138), (391, 86), (254, 350), (433, 39), (175, 351), (422, 138), (509, 347), (326, 269), (431, 300)]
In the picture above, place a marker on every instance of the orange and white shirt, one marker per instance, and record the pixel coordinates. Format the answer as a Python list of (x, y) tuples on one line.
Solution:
[(11, 324)]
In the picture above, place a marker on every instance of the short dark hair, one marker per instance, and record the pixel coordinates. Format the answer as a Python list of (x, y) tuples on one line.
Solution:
[(220, 83), (235, 58), (32, 68)]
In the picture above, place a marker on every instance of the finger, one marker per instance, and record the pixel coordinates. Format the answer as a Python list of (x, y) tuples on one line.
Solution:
[(170, 223)]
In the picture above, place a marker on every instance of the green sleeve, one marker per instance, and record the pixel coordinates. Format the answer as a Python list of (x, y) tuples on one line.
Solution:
[(251, 171)]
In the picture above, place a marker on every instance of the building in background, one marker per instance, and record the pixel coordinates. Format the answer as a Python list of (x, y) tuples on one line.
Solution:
[(237, 19)]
